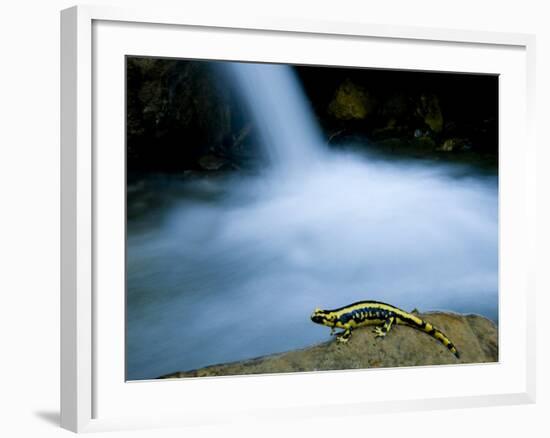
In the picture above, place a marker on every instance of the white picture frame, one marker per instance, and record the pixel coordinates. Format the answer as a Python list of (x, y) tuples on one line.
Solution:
[(86, 386)]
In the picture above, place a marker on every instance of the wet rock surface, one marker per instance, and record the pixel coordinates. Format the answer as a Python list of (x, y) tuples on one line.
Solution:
[(475, 337)]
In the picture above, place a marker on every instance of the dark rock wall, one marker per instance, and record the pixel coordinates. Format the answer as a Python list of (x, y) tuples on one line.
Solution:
[(185, 115), (407, 106), (179, 114)]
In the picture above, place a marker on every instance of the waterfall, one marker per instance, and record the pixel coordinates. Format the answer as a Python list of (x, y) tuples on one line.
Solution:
[(284, 120)]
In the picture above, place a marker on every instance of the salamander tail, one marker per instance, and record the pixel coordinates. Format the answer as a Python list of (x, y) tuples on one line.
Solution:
[(433, 332), (441, 337)]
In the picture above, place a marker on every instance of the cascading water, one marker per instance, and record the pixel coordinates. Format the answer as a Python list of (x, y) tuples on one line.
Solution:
[(288, 131), (231, 268)]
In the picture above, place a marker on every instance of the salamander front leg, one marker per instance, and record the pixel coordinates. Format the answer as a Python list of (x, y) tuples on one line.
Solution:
[(344, 336), (380, 332)]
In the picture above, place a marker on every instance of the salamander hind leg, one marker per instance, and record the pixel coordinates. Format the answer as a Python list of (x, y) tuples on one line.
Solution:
[(344, 336), (383, 330)]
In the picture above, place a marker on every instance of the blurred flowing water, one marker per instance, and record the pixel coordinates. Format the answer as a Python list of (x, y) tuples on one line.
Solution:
[(288, 132), (230, 268)]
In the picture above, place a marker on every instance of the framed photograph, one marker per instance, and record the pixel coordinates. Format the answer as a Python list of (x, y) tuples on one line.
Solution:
[(269, 218)]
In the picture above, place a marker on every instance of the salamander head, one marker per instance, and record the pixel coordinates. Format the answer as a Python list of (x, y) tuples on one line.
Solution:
[(324, 317)]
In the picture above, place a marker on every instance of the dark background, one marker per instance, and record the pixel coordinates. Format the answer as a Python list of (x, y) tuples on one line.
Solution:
[(184, 115)]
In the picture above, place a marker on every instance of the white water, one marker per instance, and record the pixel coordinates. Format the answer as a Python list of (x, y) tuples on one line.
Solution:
[(290, 136), (231, 268)]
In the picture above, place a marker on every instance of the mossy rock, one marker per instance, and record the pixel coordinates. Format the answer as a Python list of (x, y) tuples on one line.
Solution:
[(351, 102), (430, 111), (452, 145)]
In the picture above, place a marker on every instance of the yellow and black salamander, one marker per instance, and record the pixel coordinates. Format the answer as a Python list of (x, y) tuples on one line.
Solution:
[(382, 315)]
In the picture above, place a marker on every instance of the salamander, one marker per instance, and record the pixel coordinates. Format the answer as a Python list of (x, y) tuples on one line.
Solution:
[(382, 315)]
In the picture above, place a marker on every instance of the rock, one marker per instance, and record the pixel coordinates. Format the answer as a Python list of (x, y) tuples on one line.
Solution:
[(475, 337), (451, 145), (177, 111), (351, 102), (212, 162), (429, 110), (423, 143)]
